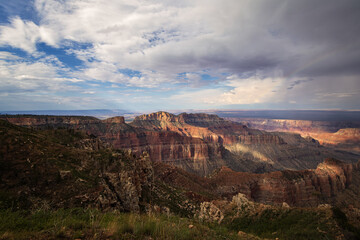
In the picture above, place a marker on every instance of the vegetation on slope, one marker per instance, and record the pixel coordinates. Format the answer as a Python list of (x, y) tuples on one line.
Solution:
[(78, 223)]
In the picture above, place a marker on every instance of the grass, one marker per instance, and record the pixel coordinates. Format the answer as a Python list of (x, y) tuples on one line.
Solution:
[(93, 224), (295, 223)]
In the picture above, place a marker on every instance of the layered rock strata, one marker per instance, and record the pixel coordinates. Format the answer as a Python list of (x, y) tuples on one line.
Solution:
[(198, 143)]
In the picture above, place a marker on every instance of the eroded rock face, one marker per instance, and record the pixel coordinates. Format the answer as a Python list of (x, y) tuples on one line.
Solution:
[(301, 188), (210, 212), (307, 188), (191, 154), (127, 187), (242, 202), (210, 128)]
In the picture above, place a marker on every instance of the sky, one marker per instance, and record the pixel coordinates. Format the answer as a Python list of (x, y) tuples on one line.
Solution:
[(191, 54)]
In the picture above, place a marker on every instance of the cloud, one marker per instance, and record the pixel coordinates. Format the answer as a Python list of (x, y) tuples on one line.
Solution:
[(298, 82), (169, 46), (21, 75), (251, 91), (242, 91), (25, 35), (170, 38)]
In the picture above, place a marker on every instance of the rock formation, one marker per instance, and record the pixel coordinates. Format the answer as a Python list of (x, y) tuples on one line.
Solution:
[(210, 212), (198, 143), (65, 167), (300, 188), (295, 188)]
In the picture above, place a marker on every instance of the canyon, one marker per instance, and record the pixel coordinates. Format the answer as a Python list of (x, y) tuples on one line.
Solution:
[(304, 188), (197, 143), (68, 167), (186, 164)]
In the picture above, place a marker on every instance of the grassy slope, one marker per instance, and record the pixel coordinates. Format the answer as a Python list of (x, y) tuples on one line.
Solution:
[(93, 224)]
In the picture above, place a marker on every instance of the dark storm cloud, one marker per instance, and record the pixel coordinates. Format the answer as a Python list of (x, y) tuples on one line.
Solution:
[(327, 34)]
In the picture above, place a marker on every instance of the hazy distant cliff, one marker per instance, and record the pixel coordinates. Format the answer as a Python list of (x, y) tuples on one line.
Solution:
[(342, 135)]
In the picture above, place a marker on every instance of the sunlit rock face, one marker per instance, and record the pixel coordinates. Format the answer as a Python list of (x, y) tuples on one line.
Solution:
[(344, 135), (115, 120), (208, 127)]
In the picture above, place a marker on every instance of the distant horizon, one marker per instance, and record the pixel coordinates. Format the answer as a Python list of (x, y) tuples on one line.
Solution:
[(311, 115), (179, 110)]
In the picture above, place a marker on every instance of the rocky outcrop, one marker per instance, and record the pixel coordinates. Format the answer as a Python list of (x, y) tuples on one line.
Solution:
[(209, 212), (127, 187), (115, 120), (349, 132)]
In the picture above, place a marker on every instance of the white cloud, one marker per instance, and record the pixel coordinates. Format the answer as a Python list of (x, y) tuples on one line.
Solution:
[(25, 34), (20, 75), (8, 56), (252, 90), (243, 91)]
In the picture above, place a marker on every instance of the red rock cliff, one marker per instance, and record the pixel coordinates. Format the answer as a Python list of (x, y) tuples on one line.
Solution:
[(210, 128)]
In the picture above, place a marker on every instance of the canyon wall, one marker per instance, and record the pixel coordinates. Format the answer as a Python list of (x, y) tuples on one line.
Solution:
[(193, 154), (198, 143), (306, 188), (47, 160)]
